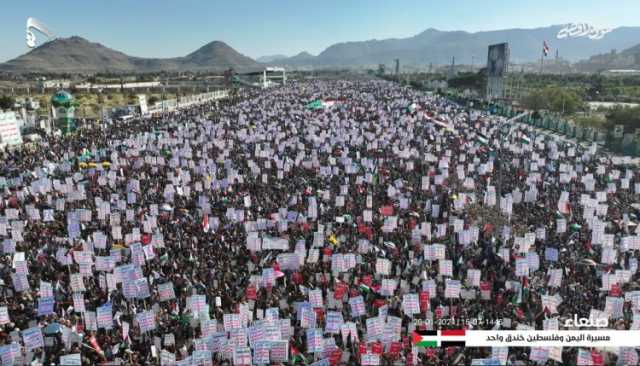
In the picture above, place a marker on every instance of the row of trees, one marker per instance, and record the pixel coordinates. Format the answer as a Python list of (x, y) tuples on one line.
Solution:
[(566, 95), (555, 99), (567, 102)]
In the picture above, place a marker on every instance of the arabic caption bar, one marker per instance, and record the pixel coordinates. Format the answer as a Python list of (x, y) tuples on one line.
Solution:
[(527, 338)]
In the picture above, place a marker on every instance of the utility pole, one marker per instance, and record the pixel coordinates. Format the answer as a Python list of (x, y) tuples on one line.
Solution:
[(452, 69)]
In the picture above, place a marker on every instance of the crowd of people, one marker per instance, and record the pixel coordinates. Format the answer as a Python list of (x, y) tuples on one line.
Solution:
[(258, 230)]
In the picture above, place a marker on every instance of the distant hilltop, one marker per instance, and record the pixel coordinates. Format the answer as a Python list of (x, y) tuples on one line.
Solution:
[(78, 55)]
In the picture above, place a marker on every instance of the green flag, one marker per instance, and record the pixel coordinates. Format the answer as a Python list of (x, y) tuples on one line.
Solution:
[(316, 104)]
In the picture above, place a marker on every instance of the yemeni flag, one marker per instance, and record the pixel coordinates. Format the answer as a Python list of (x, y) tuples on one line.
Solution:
[(205, 223), (545, 48), (440, 338)]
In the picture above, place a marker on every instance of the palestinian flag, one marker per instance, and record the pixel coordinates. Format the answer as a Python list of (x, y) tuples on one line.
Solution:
[(297, 356), (440, 338), (365, 288), (316, 104), (525, 139)]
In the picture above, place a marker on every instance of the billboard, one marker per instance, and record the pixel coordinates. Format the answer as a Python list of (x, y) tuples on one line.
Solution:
[(498, 59), (497, 63)]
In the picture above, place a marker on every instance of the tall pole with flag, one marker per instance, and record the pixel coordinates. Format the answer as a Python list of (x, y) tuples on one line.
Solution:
[(545, 52)]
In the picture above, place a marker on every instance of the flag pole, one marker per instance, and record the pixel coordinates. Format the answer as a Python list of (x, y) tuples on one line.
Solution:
[(541, 62)]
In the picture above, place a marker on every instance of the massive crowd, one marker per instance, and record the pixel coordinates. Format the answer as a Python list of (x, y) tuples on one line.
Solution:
[(261, 231)]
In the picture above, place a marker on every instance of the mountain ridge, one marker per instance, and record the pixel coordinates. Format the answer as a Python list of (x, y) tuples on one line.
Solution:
[(78, 55), (431, 46), (270, 58), (626, 59), (439, 47)]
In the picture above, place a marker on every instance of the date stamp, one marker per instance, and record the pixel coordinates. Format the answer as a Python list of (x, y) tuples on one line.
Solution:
[(461, 322)]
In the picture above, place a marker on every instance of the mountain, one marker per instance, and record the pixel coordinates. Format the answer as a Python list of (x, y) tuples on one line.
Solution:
[(627, 59), (301, 59), (439, 47), (217, 56), (77, 55), (270, 58), (73, 54)]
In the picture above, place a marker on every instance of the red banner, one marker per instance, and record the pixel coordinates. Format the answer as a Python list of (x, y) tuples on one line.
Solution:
[(377, 348), (386, 210), (424, 301)]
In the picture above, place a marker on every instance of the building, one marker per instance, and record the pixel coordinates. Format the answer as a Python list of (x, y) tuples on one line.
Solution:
[(43, 83), (622, 72), (133, 85)]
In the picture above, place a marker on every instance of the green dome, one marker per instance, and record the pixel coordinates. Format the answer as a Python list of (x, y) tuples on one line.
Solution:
[(62, 99)]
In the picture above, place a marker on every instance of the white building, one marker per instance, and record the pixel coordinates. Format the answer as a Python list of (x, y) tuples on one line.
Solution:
[(134, 85), (43, 83)]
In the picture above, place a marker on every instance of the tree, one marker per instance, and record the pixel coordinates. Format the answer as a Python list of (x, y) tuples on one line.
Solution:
[(535, 101), (469, 80), (554, 99), (564, 101), (7, 102), (132, 99), (628, 117), (596, 87)]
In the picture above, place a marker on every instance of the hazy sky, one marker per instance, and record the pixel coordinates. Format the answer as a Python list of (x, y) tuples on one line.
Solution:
[(167, 28)]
